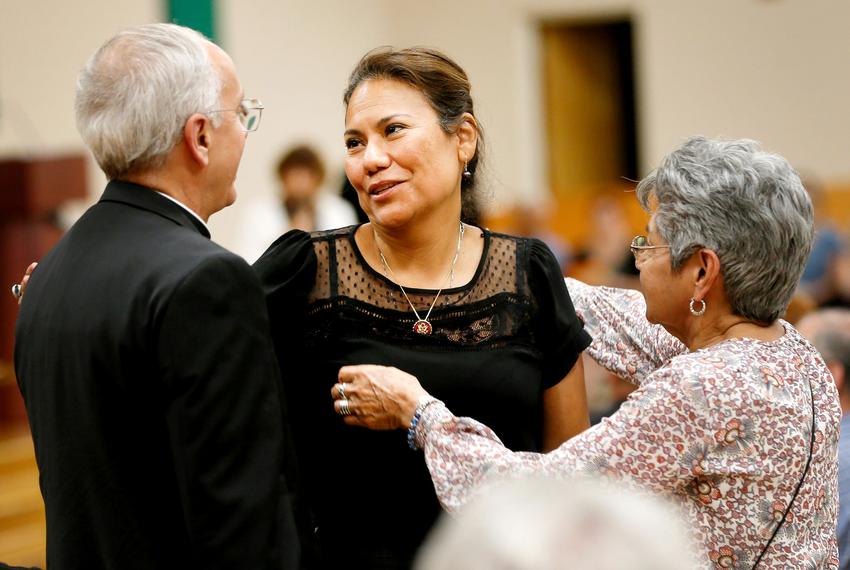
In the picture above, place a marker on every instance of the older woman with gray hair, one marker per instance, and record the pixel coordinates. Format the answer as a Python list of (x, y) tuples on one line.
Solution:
[(735, 417)]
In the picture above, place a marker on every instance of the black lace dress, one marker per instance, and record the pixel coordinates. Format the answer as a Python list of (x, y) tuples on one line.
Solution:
[(498, 342)]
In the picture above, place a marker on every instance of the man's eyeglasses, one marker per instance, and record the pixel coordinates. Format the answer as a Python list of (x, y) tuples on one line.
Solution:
[(641, 243), (249, 113)]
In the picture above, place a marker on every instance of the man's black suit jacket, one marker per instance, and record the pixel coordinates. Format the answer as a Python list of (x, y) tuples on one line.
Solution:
[(143, 355)]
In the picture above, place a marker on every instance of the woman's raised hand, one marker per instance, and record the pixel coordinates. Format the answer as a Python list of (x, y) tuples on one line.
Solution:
[(18, 288), (376, 397)]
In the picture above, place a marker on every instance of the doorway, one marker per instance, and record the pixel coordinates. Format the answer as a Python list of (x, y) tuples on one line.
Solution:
[(589, 104)]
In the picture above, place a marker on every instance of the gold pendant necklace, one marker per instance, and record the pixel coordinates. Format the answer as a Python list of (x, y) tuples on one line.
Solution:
[(422, 326)]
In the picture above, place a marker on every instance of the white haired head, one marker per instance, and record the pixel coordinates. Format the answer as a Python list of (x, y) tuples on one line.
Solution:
[(546, 524), (136, 92)]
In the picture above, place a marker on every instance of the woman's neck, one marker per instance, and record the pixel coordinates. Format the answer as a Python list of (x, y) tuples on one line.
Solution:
[(417, 257)]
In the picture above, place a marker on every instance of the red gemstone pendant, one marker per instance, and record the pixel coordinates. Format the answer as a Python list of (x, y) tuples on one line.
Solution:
[(422, 327)]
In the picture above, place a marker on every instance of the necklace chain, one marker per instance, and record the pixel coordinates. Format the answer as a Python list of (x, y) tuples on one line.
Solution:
[(422, 326)]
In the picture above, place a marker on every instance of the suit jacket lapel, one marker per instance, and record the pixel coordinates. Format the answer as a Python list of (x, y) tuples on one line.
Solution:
[(148, 199)]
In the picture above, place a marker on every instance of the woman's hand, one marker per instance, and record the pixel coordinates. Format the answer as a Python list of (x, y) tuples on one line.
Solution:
[(376, 397), (23, 284)]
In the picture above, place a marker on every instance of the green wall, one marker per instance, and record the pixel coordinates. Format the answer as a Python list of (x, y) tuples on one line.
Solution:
[(196, 14)]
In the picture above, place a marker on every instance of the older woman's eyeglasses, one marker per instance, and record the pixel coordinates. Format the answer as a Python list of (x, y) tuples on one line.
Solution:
[(249, 113), (641, 243)]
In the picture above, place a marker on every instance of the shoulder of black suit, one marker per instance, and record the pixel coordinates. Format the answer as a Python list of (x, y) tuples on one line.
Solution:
[(136, 195)]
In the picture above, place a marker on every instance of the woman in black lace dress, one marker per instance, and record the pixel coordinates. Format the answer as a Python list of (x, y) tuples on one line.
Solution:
[(483, 320)]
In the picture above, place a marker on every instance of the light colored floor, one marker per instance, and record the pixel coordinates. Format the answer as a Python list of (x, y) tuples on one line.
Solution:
[(22, 538)]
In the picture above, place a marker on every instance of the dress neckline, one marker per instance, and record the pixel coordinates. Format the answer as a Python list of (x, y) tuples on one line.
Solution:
[(381, 277), (786, 337)]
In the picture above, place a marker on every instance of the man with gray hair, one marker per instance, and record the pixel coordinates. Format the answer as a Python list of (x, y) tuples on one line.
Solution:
[(142, 348), (829, 331)]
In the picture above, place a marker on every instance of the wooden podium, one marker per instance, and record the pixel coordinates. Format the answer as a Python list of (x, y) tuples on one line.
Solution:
[(31, 191)]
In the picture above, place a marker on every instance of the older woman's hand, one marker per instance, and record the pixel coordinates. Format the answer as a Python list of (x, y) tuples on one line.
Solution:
[(376, 397)]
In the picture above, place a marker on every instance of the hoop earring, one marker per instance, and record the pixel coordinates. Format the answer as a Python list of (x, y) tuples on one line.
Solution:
[(466, 173), (695, 312)]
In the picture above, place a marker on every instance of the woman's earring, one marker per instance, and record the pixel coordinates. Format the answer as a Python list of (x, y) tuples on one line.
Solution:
[(466, 173), (700, 311)]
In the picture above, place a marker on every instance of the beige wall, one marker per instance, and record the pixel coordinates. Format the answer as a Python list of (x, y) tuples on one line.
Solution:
[(43, 45), (773, 70), (295, 56)]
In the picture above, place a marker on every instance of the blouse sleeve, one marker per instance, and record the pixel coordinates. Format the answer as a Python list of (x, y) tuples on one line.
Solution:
[(643, 444), (558, 331), (624, 342), (287, 272)]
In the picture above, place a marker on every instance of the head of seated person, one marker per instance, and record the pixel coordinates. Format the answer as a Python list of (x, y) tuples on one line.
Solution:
[(537, 524)]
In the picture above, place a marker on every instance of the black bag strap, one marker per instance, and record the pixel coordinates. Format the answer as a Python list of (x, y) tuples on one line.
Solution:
[(800, 484)]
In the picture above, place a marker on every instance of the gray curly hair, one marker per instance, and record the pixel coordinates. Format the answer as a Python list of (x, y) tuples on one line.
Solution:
[(745, 204), (136, 92)]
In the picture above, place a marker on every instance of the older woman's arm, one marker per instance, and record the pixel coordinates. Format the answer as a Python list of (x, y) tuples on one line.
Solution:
[(651, 441), (624, 342)]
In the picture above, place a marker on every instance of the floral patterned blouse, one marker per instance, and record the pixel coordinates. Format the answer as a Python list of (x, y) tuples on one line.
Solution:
[(724, 431)]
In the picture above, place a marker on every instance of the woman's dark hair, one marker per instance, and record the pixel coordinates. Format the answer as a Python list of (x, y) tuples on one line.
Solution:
[(301, 156), (444, 85)]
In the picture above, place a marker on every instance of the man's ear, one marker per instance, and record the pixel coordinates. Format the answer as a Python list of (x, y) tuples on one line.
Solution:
[(196, 136), (467, 134)]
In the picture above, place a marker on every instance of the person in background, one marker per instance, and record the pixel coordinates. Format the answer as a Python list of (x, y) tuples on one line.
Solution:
[(612, 390), (829, 331), (483, 319), (301, 202), (824, 279), (736, 416), (530, 220), (547, 524), (308, 206), (142, 348)]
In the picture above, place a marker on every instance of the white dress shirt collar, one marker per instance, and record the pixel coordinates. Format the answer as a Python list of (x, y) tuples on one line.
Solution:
[(185, 207)]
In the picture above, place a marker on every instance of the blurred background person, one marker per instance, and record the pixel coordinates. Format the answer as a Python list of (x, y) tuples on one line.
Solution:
[(549, 524), (829, 331), (308, 204), (824, 279), (302, 202), (532, 221), (606, 391), (605, 260)]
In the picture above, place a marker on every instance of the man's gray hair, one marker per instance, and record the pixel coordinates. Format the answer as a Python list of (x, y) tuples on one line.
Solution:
[(136, 92), (745, 204)]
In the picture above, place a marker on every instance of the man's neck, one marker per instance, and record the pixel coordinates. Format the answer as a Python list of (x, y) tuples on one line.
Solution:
[(174, 190)]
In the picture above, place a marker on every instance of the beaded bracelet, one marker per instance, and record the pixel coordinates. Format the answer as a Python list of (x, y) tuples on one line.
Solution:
[(421, 405)]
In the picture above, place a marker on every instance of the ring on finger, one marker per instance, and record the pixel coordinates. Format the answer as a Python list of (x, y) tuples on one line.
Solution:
[(344, 409), (16, 290), (340, 389)]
